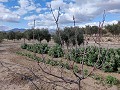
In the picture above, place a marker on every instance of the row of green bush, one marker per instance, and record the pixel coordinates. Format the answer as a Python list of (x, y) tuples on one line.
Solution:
[(55, 51), (107, 80), (46, 61), (108, 59), (110, 80), (37, 48)]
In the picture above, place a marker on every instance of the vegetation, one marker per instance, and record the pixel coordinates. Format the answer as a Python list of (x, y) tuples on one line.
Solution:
[(38, 48), (111, 80), (2, 36), (105, 59), (97, 57), (110, 57), (47, 61), (56, 51), (113, 29), (68, 36), (39, 34)]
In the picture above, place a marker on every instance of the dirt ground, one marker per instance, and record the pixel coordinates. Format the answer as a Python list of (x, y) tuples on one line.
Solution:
[(14, 73)]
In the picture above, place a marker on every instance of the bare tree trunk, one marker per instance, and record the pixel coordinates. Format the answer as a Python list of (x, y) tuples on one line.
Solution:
[(24, 40), (34, 38), (79, 85)]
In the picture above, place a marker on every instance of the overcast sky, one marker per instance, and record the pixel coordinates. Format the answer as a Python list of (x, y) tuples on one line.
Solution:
[(21, 13)]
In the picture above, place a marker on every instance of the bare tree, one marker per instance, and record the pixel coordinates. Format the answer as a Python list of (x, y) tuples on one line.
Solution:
[(34, 37), (79, 75), (59, 79)]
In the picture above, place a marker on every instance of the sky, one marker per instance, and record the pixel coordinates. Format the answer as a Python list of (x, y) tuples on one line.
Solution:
[(21, 13)]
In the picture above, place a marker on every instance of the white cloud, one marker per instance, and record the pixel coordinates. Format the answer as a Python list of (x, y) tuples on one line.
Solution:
[(114, 11), (11, 18), (3, 0), (97, 23), (57, 3), (111, 22), (7, 15), (83, 10), (4, 28), (26, 7), (31, 18), (3, 9), (110, 5), (38, 10)]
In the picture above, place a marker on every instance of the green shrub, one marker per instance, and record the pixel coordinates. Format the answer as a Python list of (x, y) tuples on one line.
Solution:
[(24, 46), (75, 68), (66, 65), (56, 51), (97, 77), (75, 55), (38, 48), (110, 57), (112, 61), (2, 36), (42, 48), (85, 72), (111, 80), (107, 67), (1, 40), (61, 64)]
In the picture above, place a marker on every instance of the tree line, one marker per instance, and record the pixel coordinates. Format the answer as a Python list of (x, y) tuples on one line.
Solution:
[(67, 34), (113, 29), (39, 34)]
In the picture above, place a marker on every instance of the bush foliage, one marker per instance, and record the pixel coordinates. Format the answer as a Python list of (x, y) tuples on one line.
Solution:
[(56, 51), (38, 48), (109, 59), (111, 80)]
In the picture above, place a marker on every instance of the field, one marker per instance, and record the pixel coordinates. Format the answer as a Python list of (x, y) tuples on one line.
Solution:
[(59, 45), (15, 75)]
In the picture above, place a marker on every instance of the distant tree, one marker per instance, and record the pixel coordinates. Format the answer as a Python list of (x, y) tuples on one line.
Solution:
[(80, 37), (90, 30), (28, 34), (94, 29), (116, 29), (87, 30), (104, 31), (68, 36), (56, 38), (18, 35), (109, 28), (39, 34), (11, 35), (46, 34), (113, 29), (1, 37)]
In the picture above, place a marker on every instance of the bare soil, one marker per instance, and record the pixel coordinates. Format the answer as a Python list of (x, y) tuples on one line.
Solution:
[(15, 75)]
